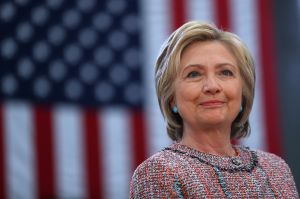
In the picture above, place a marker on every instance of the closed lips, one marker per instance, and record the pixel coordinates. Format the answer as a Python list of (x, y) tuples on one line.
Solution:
[(212, 103)]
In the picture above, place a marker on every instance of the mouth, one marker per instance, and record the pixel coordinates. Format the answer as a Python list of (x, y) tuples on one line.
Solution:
[(212, 103)]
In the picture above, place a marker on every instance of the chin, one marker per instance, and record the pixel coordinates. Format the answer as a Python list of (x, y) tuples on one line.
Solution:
[(213, 120)]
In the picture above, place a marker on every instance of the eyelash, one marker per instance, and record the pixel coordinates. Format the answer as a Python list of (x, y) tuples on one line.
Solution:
[(227, 73), (192, 74)]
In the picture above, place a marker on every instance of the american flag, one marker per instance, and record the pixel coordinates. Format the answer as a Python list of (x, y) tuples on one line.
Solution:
[(78, 108)]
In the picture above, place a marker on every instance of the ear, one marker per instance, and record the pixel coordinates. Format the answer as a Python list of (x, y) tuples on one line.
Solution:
[(172, 103)]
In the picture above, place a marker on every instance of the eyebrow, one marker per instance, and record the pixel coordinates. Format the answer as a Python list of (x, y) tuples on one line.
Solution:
[(217, 66)]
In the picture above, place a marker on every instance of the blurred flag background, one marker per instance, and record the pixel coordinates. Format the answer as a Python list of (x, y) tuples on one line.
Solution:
[(78, 108)]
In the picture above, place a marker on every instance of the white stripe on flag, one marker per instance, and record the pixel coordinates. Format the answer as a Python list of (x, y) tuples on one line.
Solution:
[(115, 136), (244, 24), (69, 152), (20, 156), (156, 28), (200, 10)]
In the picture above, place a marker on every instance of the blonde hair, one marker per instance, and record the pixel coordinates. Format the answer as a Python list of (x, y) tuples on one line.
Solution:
[(167, 66)]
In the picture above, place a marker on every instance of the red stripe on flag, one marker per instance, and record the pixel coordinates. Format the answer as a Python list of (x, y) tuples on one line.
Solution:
[(93, 150), (44, 152), (269, 77), (222, 14), (2, 157), (178, 13), (139, 140)]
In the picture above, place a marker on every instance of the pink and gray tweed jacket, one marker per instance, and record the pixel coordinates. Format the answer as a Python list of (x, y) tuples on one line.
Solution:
[(182, 172)]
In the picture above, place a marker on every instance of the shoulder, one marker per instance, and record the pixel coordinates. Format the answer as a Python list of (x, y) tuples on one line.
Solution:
[(164, 167), (160, 162), (274, 166), (270, 159), (156, 176), (278, 173)]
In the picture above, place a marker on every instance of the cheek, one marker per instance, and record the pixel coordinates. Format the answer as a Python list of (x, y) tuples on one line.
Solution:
[(187, 92), (236, 93)]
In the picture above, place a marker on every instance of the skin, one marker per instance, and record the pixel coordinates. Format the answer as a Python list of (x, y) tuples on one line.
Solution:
[(208, 94)]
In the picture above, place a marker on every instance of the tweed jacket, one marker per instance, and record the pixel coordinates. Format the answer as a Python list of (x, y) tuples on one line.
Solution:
[(182, 172)]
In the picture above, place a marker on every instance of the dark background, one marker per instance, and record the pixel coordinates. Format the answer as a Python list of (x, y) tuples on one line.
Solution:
[(287, 15)]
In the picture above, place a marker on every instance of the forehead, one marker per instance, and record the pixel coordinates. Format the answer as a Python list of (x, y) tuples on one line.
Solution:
[(206, 53)]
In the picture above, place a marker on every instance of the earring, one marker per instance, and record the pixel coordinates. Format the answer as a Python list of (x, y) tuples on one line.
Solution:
[(175, 110), (241, 108)]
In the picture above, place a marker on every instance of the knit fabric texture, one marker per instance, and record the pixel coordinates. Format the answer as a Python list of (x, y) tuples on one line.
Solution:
[(182, 172)]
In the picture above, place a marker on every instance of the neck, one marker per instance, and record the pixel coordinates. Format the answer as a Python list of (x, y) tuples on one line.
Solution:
[(212, 141)]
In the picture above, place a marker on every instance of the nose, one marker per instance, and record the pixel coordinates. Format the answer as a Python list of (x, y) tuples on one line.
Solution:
[(211, 85)]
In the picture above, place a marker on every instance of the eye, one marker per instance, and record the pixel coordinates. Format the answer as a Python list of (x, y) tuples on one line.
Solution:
[(227, 73), (193, 74)]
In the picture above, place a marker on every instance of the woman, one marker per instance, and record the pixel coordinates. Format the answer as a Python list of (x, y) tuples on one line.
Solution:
[(205, 87)]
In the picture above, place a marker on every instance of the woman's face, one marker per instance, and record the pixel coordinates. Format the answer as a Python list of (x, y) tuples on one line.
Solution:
[(208, 88)]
